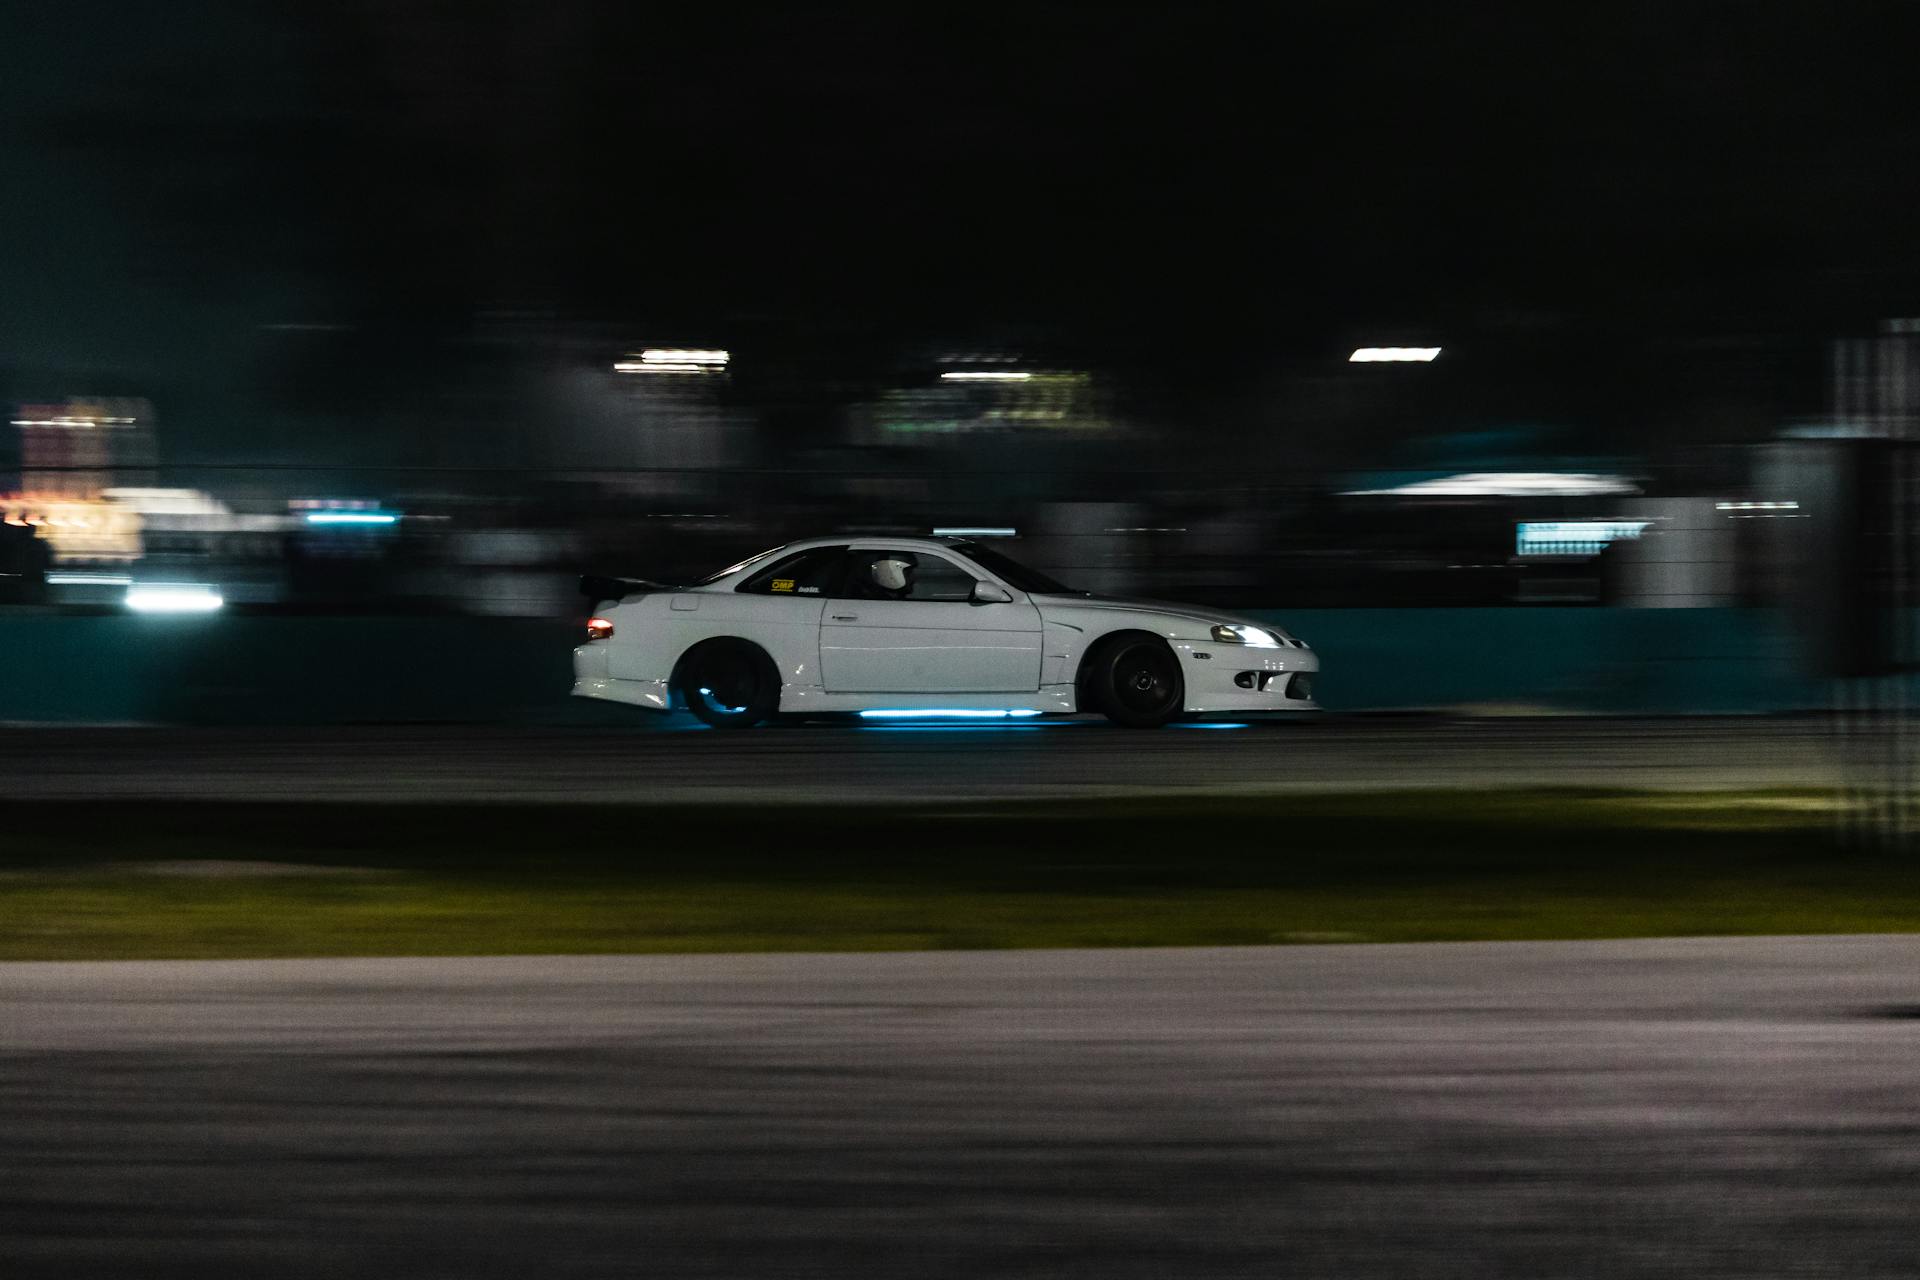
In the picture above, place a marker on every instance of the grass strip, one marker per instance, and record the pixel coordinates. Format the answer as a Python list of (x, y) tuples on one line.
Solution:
[(148, 880)]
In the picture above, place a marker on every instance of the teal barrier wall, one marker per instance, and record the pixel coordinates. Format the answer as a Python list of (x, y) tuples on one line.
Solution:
[(1656, 661), (241, 670)]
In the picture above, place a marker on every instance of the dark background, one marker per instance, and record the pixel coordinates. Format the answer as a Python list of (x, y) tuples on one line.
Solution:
[(1636, 223)]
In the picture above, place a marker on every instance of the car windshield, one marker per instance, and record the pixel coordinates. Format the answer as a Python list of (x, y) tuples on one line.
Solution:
[(1012, 572)]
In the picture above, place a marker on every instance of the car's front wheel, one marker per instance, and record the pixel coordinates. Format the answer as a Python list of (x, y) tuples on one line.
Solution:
[(1134, 680), (729, 684)]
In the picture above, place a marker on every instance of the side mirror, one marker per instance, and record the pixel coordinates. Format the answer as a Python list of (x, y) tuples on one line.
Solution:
[(990, 593)]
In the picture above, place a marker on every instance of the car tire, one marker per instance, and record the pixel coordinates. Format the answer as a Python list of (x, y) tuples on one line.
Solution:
[(729, 684), (1134, 680)]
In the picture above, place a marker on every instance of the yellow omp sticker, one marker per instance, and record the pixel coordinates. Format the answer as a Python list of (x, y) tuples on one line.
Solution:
[(783, 584)]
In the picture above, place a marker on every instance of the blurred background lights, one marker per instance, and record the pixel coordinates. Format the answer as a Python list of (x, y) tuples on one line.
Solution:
[(90, 579), (676, 360), (352, 517), (1509, 484), (1393, 355), (1573, 537), (174, 597)]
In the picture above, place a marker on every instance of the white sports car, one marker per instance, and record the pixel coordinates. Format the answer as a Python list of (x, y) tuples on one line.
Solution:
[(923, 627)]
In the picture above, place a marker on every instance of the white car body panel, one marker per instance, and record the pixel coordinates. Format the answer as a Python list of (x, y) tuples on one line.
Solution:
[(848, 655), (927, 646)]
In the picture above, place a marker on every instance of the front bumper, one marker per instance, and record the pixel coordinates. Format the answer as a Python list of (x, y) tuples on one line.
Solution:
[(1240, 678), (591, 680)]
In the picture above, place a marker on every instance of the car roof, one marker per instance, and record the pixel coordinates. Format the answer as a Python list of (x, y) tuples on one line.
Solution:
[(862, 541), (876, 540)]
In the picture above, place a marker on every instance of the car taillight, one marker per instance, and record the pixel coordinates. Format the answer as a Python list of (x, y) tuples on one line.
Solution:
[(599, 628)]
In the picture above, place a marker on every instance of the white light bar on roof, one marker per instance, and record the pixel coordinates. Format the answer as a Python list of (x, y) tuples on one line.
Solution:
[(986, 375), (1393, 355), (969, 531)]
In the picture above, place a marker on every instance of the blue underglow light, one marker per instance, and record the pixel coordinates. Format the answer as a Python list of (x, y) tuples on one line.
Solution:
[(945, 713), (997, 727), (1210, 724), (352, 517)]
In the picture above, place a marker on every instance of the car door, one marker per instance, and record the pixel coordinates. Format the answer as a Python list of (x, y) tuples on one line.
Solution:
[(928, 637)]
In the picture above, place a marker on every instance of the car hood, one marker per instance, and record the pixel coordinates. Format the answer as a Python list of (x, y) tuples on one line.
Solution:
[(1060, 607)]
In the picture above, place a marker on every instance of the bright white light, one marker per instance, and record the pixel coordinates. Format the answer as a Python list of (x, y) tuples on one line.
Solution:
[(676, 360), (945, 713), (684, 355), (1507, 484), (1756, 506), (351, 517), (1379, 355), (986, 375), (173, 597), (963, 531), (90, 579)]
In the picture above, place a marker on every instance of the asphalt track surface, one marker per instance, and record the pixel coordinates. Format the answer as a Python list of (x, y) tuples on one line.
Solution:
[(1725, 1107), (637, 763)]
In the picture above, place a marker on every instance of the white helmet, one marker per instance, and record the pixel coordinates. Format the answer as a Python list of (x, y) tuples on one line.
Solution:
[(891, 574)]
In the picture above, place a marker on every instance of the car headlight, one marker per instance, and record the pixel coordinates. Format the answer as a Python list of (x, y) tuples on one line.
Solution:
[(1234, 633)]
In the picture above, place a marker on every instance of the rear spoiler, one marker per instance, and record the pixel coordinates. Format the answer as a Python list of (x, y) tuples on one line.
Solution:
[(598, 587)]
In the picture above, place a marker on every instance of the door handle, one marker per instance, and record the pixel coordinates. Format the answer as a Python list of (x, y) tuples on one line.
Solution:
[(846, 617)]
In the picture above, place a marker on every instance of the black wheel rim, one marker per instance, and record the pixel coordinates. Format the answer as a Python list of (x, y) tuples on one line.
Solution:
[(726, 684), (1143, 680)]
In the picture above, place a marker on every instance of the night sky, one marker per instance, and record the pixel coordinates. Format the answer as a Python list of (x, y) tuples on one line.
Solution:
[(1202, 191)]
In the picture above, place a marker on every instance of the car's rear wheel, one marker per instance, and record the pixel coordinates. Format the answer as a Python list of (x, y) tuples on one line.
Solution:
[(1134, 680), (729, 684)]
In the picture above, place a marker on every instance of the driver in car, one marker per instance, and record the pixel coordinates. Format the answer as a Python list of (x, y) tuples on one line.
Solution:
[(891, 578)]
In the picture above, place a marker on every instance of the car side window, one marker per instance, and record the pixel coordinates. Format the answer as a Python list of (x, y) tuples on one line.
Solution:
[(805, 573), (906, 575), (941, 579)]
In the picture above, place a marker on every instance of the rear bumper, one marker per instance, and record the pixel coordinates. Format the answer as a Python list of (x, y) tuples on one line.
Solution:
[(590, 680), (1240, 679)]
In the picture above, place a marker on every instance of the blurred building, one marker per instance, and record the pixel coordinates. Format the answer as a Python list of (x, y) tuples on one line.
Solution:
[(76, 448), (72, 453), (970, 397)]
